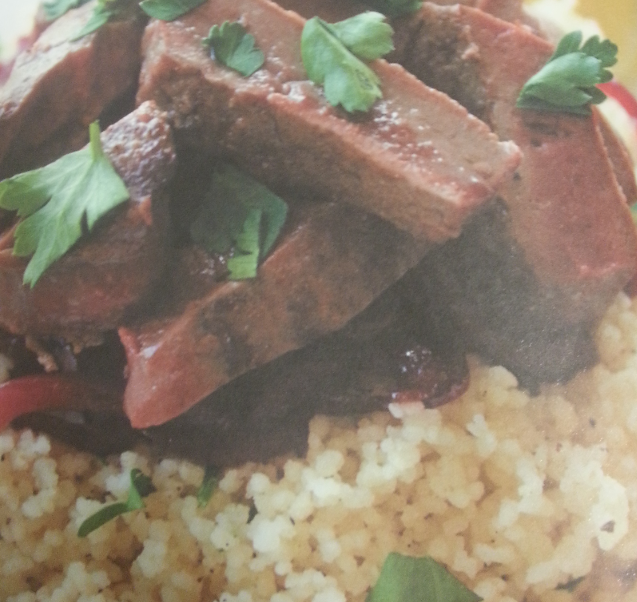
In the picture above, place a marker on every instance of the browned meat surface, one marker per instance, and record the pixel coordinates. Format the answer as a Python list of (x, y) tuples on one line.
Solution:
[(621, 162), (565, 217), (333, 261), (90, 289), (58, 87), (416, 159), (381, 356), (337, 10)]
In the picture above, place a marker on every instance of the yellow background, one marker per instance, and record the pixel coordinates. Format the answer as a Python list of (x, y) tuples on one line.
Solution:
[(618, 20)]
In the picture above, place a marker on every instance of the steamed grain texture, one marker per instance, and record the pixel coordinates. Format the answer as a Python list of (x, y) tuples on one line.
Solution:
[(515, 495)]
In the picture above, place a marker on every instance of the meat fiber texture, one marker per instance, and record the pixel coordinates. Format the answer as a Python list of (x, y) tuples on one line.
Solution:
[(528, 286), (59, 86), (333, 262), (417, 159), (91, 288)]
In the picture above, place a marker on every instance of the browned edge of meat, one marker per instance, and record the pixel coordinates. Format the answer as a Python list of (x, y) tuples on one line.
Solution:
[(621, 161), (337, 10), (416, 159), (565, 216), (385, 354), (91, 288), (332, 264), (58, 87)]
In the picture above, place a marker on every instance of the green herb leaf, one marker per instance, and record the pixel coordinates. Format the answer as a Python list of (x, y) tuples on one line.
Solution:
[(104, 11), (567, 83), (367, 35), (395, 8), (233, 47), (409, 579), (208, 485), (56, 201), (140, 487), (329, 56), (570, 586), (53, 9), (241, 216), (168, 10)]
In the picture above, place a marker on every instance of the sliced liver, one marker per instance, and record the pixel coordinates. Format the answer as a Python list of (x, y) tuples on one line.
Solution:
[(57, 87), (565, 217), (331, 264), (416, 159), (91, 288)]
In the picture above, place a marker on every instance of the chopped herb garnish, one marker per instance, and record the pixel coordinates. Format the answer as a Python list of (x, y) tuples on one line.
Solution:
[(410, 579), (54, 9), (59, 201), (231, 45), (208, 485), (141, 486), (104, 11), (109, 10), (239, 216), (168, 10), (394, 8), (567, 83), (570, 586), (332, 56)]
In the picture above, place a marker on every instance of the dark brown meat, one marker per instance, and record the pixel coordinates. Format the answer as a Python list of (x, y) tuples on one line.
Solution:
[(565, 226), (380, 357), (333, 261), (337, 10), (90, 289), (416, 159), (57, 87)]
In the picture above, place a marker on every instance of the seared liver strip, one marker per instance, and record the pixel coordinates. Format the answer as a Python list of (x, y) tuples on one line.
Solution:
[(58, 87), (565, 227), (332, 263), (416, 159), (90, 289)]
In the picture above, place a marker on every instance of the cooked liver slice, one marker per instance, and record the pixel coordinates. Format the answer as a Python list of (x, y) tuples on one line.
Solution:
[(90, 289), (565, 218), (333, 261), (58, 87), (416, 159), (337, 10)]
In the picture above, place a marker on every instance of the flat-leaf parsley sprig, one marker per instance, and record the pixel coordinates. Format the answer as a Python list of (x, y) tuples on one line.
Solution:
[(239, 216), (231, 45), (110, 10), (567, 83), (58, 201), (333, 56), (140, 487), (418, 579), (394, 8)]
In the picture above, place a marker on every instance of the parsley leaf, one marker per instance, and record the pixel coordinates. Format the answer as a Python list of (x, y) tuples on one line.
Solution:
[(571, 586), (567, 83), (395, 8), (53, 9), (367, 35), (332, 54), (208, 485), (241, 216), (56, 201), (409, 579), (233, 47), (168, 10), (104, 11), (141, 486)]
